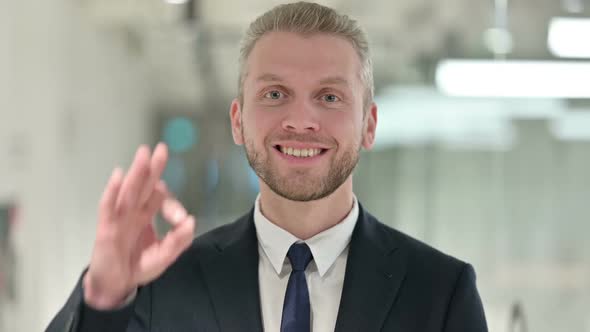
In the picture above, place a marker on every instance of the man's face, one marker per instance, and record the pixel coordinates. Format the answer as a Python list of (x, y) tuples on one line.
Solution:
[(301, 120)]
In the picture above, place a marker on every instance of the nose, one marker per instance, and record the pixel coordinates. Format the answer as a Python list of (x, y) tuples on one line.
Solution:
[(301, 118)]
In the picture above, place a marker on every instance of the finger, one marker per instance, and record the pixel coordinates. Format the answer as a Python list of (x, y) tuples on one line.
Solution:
[(177, 239), (173, 211), (159, 256), (156, 200), (147, 238), (157, 166), (110, 194), (134, 181)]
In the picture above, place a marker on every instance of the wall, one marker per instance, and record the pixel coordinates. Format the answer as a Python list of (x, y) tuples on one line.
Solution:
[(74, 103)]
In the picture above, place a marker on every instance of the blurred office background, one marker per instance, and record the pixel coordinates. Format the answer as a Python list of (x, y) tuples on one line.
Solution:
[(483, 144)]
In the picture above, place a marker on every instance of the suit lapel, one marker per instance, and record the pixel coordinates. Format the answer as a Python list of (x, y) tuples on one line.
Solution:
[(374, 272), (232, 279)]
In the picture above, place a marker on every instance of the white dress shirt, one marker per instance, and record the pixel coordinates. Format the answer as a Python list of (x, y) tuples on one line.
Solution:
[(324, 274)]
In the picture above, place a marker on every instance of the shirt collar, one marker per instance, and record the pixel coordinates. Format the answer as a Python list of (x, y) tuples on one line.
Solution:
[(325, 246)]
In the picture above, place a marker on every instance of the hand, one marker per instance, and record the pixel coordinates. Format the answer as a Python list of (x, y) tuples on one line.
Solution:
[(127, 252)]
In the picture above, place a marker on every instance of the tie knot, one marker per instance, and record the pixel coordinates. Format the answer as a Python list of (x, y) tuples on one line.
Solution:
[(300, 256)]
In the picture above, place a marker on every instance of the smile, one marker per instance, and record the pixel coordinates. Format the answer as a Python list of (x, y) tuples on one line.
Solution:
[(298, 152)]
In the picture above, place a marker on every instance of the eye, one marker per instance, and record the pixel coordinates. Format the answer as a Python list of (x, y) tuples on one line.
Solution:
[(330, 98), (274, 94)]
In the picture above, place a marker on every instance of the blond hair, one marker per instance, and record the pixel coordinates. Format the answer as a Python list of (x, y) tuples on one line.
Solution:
[(307, 18)]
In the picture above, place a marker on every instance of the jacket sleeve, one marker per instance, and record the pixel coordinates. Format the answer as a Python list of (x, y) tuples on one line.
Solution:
[(465, 312), (76, 316)]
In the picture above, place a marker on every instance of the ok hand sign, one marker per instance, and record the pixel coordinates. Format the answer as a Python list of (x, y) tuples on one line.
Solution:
[(127, 252)]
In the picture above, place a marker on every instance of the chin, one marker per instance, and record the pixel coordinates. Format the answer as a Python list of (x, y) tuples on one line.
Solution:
[(297, 191), (302, 196)]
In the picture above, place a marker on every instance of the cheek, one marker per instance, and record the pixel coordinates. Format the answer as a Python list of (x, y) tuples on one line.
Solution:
[(345, 129), (257, 125)]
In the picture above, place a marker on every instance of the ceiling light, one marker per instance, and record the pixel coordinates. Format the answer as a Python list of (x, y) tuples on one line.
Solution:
[(176, 2), (528, 79), (569, 37)]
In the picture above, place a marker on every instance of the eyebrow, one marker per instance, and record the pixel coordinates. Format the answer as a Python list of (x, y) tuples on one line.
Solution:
[(334, 80), (269, 78), (337, 80)]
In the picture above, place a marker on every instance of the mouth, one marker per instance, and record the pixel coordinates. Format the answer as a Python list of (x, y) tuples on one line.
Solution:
[(298, 152)]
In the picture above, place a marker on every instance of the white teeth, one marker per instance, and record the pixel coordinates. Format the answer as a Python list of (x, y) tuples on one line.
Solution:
[(301, 153)]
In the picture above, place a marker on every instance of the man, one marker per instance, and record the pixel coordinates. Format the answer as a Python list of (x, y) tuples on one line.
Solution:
[(307, 257)]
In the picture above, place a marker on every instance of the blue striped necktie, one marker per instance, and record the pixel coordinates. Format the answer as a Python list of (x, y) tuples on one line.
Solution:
[(296, 309)]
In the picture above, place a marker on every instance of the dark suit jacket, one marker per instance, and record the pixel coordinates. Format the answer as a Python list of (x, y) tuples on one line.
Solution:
[(392, 283)]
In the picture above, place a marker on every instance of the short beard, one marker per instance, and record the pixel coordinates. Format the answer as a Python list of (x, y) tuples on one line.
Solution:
[(301, 190)]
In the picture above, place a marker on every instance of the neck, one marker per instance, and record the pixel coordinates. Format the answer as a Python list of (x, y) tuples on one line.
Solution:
[(306, 219)]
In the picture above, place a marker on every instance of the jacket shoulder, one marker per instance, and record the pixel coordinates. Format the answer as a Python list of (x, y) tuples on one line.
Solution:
[(213, 241), (421, 257)]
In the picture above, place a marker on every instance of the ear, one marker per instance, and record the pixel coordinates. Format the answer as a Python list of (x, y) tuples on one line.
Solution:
[(235, 114), (370, 127)]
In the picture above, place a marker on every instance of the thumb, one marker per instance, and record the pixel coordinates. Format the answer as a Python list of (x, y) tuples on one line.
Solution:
[(160, 255)]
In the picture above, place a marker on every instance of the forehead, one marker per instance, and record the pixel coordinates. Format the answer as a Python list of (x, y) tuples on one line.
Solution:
[(292, 55)]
